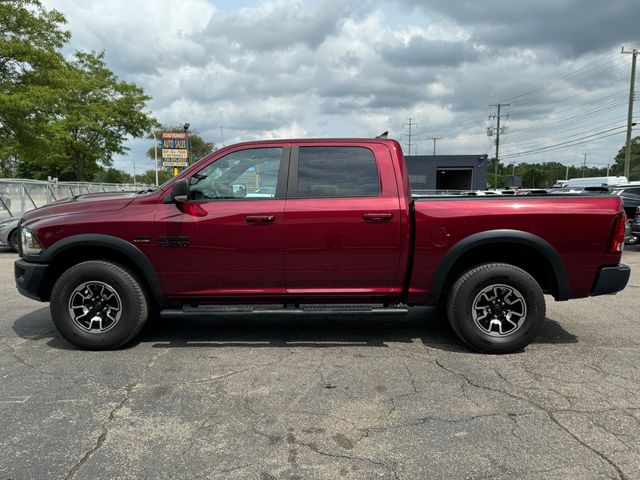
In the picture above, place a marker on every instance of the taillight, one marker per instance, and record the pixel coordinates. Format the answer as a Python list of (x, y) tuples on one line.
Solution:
[(617, 239)]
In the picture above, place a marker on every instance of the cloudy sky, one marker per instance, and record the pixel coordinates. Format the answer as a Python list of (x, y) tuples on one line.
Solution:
[(339, 68)]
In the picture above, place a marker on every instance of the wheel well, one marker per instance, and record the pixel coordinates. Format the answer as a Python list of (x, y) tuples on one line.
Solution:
[(75, 255), (525, 257)]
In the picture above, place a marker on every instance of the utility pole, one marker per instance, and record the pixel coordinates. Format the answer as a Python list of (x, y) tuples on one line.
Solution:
[(435, 139), (497, 116), (411, 124), (627, 149), (584, 165)]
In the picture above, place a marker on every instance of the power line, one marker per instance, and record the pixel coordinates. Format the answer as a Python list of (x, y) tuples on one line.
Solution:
[(572, 120), (541, 143), (571, 143), (595, 64)]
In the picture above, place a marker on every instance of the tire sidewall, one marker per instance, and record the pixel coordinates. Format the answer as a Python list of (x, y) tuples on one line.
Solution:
[(510, 276), (13, 240), (133, 311)]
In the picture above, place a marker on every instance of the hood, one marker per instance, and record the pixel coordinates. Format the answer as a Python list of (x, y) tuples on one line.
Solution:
[(92, 202)]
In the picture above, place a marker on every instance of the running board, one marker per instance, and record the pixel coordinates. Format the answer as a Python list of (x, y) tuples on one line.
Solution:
[(205, 311)]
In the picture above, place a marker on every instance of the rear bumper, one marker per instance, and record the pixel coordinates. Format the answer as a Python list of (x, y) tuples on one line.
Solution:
[(611, 280), (29, 277)]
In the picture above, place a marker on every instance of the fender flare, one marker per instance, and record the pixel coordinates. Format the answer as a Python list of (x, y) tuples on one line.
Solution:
[(114, 243), (502, 236)]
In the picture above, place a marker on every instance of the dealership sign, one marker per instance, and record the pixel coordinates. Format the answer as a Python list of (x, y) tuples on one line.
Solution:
[(175, 149)]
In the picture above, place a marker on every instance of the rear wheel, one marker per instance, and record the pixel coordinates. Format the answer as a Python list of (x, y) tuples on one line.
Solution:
[(496, 308), (98, 305)]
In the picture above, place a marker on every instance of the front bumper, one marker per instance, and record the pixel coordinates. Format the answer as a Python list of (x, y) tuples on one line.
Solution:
[(611, 280), (29, 277)]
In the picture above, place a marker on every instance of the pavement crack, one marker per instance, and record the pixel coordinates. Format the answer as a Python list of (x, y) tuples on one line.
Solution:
[(104, 430), (13, 351), (550, 414), (411, 378), (391, 466), (617, 469)]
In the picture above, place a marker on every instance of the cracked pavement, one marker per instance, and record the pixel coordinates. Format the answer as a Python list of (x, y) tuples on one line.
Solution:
[(323, 397)]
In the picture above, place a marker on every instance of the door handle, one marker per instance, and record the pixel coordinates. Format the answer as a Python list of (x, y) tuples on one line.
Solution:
[(260, 218), (378, 217)]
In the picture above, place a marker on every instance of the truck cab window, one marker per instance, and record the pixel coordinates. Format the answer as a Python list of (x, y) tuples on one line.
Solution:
[(331, 172), (245, 174)]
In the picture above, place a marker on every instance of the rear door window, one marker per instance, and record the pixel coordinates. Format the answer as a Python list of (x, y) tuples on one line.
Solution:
[(336, 172)]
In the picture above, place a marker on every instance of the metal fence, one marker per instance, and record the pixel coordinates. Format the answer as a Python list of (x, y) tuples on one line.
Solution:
[(18, 196)]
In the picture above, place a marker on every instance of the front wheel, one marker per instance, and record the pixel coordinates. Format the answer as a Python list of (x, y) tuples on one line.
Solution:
[(98, 305), (13, 240), (496, 308)]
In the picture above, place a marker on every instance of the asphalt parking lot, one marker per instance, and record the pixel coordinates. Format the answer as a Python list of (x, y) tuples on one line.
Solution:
[(311, 398)]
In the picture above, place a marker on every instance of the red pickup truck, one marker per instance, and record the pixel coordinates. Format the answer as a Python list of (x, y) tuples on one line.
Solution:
[(289, 225)]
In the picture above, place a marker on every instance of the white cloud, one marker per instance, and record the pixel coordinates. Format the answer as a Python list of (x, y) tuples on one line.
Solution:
[(287, 68)]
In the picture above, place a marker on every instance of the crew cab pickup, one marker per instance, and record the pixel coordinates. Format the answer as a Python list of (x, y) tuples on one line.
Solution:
[(293, 224)]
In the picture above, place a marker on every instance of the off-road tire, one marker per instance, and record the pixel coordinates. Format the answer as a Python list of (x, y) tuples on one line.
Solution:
[(131, 298), (467, 289)]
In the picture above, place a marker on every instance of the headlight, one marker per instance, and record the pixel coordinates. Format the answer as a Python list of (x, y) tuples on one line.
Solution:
[(30, 244)]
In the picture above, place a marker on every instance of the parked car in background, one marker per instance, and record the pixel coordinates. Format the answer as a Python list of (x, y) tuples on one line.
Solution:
[(531, 191), (9, 233), (634, 225), (596, 182), (630, 195)]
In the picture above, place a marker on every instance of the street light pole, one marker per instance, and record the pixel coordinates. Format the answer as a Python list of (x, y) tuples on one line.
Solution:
[(155, 149)]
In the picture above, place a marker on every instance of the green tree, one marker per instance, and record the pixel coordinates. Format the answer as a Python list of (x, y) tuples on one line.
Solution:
[(112, 175), (99, 113), (58, 117), (149, 177), (31, 79), (634, 160)]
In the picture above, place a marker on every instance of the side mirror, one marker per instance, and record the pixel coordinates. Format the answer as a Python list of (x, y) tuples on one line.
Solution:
[(180, 191)]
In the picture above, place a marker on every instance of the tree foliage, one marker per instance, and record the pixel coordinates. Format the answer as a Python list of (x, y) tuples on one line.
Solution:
[(634, 160), (540, 175), (112, 175), (59, 117), (149, 176)]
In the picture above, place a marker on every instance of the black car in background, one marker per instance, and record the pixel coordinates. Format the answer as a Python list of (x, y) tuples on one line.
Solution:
[(630, 195), (635, 228)]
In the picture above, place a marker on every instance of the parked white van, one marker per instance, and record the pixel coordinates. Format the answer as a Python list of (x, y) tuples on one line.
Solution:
[(596, 182)]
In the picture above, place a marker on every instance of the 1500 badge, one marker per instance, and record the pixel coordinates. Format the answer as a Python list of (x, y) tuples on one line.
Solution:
[(173, 242)]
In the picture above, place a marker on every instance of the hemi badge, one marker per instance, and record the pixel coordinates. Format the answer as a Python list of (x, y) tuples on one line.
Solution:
[(141, 240)]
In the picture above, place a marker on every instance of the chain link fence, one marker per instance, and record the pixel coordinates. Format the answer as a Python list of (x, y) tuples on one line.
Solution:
[(19, 196)]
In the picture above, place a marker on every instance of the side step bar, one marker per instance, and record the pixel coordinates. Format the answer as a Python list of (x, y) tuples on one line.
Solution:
[(271, 310)]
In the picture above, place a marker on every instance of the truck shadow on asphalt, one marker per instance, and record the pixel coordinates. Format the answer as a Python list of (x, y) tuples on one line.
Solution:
[(422, 325)]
